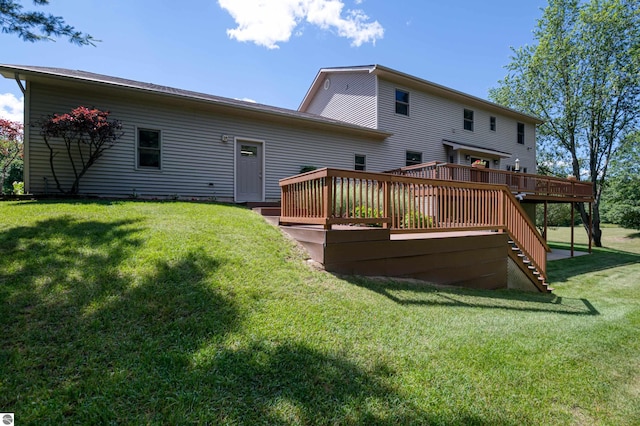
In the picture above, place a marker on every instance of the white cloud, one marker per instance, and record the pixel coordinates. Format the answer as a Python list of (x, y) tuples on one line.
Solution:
[(269, 22), (11, 108)]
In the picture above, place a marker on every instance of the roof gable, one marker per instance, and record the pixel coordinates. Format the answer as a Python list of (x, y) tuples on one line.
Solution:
[(417, 83)]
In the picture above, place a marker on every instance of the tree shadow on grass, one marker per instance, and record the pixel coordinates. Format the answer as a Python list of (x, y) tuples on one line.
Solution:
[(83, 337), (40, 261), (86, 342), (291, 383), (411, 292)]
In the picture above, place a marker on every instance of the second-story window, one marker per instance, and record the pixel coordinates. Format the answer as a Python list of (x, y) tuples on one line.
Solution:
[(402, 102), (521, 133), (468, 119), (492, 123)]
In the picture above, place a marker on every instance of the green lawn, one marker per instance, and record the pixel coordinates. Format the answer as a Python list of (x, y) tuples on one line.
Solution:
[(183, 313)]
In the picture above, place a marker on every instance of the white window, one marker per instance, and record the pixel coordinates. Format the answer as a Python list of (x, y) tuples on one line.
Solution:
[(468, 119), (402, 102), (149, 149)]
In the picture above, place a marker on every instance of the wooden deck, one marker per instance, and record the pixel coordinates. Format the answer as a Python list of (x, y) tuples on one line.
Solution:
[(413, 205)]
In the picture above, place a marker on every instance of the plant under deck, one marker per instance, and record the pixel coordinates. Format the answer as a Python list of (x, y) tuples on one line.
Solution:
[(178, 313)]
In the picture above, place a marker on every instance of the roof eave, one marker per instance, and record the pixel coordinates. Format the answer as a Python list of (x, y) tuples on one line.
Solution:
[(10, 72), (447, 92)]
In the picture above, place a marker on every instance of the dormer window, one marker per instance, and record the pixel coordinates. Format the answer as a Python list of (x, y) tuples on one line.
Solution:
[(402, 102)]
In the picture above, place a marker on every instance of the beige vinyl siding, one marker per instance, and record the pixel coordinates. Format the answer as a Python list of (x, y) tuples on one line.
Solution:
[(350, 97), (432, 119), (193, 153)]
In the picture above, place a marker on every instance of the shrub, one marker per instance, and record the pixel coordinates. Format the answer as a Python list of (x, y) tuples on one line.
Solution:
[(369, 212), (18, 188), (416, 219)]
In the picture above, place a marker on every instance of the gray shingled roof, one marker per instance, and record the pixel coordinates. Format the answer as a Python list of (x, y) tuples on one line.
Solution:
[(25, 71)]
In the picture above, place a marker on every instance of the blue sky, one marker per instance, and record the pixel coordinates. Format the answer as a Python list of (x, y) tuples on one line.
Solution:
[(270, 51)]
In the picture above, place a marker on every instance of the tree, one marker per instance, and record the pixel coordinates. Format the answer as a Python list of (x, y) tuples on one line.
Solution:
[(86, 134), (621, 202), (582, 79), (11, 147), (37, 26)]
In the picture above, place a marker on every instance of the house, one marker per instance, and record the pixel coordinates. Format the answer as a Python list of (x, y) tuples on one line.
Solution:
[(427, 121), (365, 118), (370, 119)]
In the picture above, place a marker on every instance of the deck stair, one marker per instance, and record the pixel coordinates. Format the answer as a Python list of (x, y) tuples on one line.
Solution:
[(526, 266)]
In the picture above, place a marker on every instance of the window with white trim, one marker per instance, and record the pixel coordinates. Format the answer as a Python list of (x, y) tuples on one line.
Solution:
[(360, 162), (468, 119), (149, 149), (402, 102)]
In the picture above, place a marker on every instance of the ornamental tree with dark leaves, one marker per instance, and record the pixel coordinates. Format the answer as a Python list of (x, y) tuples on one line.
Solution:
[(85, 134)]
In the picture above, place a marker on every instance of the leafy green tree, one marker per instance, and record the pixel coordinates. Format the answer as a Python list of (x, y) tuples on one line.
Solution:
[(85, 133), (37, 26), (558, 214), (581, 77), (11, 150), (621, 202)]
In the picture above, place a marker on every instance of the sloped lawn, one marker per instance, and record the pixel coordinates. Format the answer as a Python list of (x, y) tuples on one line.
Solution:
[(179, 313)]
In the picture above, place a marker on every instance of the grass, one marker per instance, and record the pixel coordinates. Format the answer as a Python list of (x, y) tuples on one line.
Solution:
[(182, 313)]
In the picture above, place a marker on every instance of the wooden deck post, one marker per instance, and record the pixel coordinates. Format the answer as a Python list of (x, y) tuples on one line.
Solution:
[(572, 225), (386, 199), (590, 226), (328, 201), (546, 219)]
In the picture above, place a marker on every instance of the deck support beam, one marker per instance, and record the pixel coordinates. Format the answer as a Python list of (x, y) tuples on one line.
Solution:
[(590, 226), (546, 219), (573, 208)]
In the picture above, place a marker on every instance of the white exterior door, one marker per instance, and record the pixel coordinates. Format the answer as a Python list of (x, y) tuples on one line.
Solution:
[(249, 171)]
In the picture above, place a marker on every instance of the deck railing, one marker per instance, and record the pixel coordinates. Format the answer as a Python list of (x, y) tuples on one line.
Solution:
[(528, 184), (408, 204)]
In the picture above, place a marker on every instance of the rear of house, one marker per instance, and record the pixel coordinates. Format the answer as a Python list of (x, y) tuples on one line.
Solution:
[(186, 144)]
